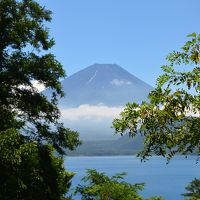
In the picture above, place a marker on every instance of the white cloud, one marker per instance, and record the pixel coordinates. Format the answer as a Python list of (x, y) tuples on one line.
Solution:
[(91, 112), (40, 87), (118, 82)]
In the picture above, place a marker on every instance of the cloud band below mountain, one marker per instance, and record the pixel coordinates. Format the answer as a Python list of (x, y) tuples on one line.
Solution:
[(90, 112)]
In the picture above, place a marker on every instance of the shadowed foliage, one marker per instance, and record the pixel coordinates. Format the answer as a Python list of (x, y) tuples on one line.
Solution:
[(193, 190), (30, 131), (23, 42), (99, 186), (29, 170)]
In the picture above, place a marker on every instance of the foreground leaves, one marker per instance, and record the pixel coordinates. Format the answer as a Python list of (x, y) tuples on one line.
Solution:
[(30, 171), (193, 190), (98, 186), (170, 121), (25, 59), (32, 139)]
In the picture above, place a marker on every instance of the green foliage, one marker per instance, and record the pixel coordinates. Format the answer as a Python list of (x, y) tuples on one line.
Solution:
[(170, 121), (193, 190), (29, 170), (30, 131), (23, 42), (101, 187)]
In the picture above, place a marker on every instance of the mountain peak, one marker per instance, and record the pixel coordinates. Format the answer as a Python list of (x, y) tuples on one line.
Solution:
[(105, 88), (105, 67), (109, 84)]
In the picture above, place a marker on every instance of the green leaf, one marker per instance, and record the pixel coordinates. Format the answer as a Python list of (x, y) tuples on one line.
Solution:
[(198, 37), (192, 35)]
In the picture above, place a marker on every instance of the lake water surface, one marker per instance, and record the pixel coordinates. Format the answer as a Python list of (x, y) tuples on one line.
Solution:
[(167, 180)]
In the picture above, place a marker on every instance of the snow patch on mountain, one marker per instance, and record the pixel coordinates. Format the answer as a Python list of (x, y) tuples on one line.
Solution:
[(118, 82), (92, 77)]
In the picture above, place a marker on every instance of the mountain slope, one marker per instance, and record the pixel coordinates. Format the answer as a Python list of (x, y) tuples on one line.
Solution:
[(105, 88), (107, 84), (123, 146)]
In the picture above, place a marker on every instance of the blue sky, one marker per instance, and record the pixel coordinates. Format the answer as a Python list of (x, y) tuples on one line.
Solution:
[(137, 35)]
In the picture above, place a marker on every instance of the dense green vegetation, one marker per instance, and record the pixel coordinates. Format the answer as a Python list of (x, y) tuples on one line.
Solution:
[(30, 132), (193, 190), (29, 170), (98, 186), (170, 121)]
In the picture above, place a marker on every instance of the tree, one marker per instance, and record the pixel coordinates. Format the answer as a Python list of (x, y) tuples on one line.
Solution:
[(193, 190), (101, 187), (170, 120), (23, 42), (30, 131), (29, 170)]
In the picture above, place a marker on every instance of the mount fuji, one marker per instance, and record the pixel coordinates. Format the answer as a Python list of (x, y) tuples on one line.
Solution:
[(96, 95), (107, 84)]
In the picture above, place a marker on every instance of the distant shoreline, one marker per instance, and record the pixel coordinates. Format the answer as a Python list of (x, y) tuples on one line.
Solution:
[(128, 155)]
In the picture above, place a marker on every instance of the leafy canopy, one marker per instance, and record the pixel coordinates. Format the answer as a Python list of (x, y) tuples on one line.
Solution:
[(99, 186), (170, 121), (30, 171), (30, 130), (193, 190), (24, 58)]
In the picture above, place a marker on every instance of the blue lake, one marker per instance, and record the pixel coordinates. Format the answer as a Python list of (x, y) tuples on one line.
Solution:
[(161, 179)]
